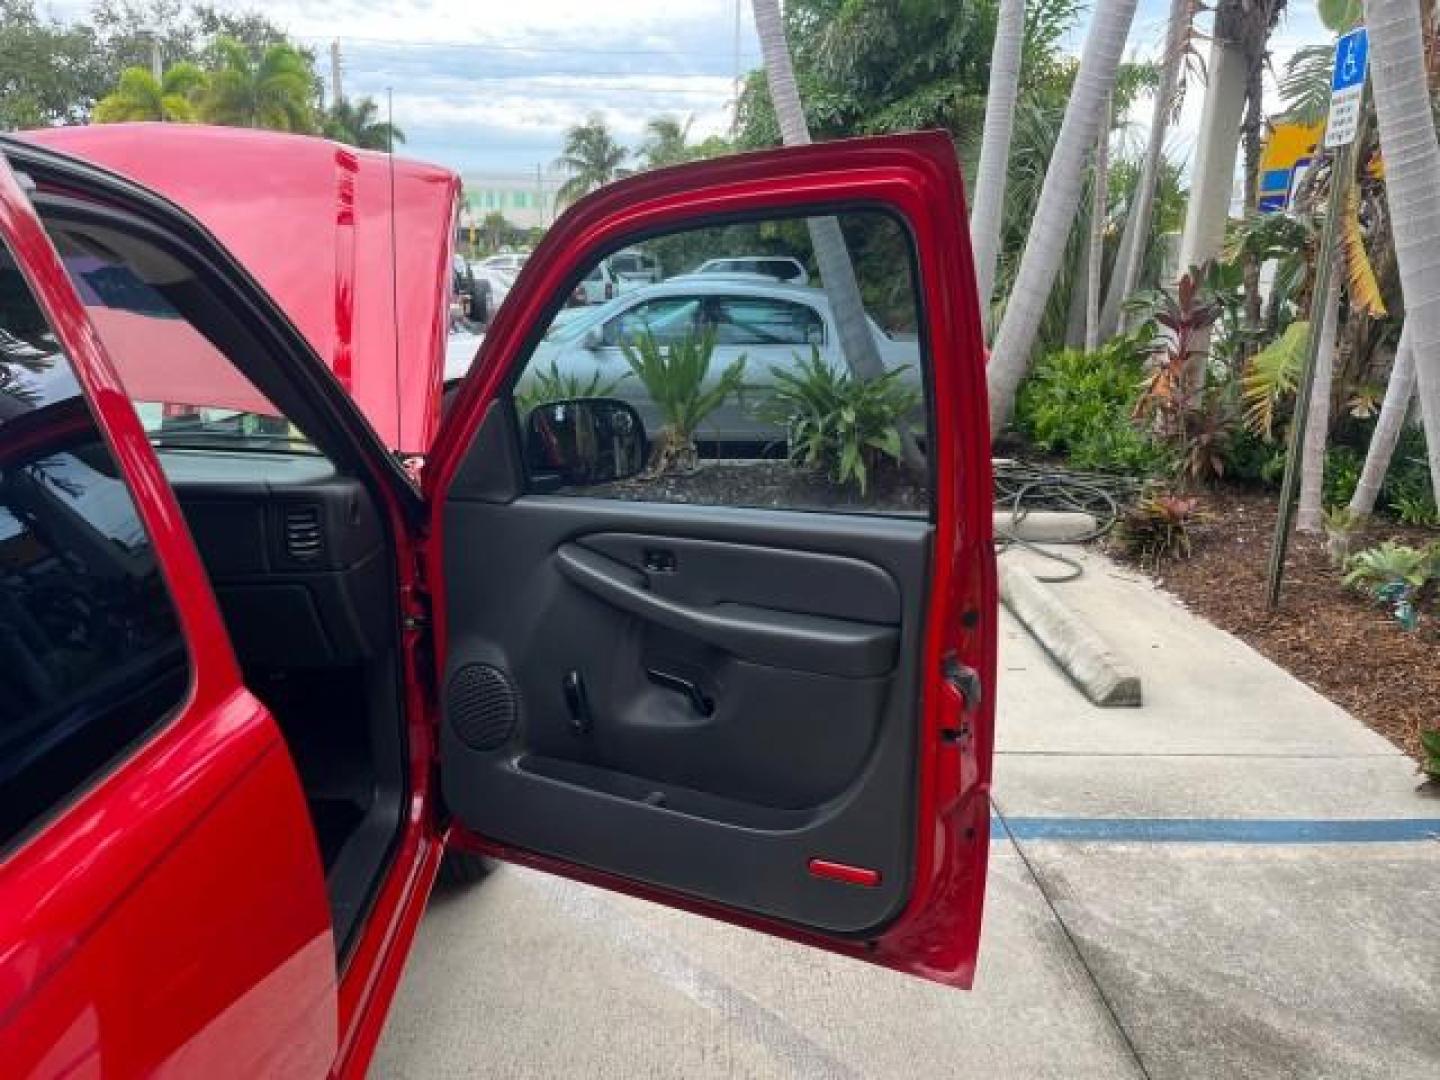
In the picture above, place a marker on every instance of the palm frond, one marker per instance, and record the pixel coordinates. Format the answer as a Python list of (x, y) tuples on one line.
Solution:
[(1360, 277), (1271, 376)]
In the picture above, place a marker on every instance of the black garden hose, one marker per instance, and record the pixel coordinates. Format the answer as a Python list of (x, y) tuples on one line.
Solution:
[(1022, 488)]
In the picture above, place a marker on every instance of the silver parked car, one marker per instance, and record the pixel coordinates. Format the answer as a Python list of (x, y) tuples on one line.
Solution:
[(771, 325), (782, 268)]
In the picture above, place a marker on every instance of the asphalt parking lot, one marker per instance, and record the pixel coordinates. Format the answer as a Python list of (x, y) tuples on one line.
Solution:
[(1237, 879)]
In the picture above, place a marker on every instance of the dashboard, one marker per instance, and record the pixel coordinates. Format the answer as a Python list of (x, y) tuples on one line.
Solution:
[(295, 551)]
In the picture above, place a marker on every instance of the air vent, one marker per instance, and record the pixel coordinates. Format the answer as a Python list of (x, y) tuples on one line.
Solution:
[(304, 537)]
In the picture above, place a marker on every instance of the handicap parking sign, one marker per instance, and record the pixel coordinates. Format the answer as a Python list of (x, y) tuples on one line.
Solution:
[(1352, 55), (1347, 87)]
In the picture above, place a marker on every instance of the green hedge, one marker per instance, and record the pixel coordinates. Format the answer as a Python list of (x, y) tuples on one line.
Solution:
[(1079, 405)]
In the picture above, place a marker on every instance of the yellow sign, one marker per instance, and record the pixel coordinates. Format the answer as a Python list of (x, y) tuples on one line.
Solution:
[(1287, 151)]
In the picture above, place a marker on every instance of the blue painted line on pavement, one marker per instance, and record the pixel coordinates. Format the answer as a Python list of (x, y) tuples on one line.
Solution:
[(1218, 831)]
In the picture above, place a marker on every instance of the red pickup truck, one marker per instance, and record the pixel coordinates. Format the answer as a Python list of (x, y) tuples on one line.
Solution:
[(257, 679)]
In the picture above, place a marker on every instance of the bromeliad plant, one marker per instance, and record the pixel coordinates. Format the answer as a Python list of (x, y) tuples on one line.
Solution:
[(839, 424), (677, 378), (1157, 529)]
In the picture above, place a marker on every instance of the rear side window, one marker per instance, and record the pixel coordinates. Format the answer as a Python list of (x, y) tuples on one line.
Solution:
[(748, 320), (91, 654)]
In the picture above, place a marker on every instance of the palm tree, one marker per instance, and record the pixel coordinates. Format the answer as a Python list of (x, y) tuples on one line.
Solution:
[(1399, 392), (138, 96), (665, 142), (592, 157), (1412, 161), (358, 123), (494, 228), (987, 210), (832, 258), (272, 90), (1126, 276), (1055, 211), (1099, 207), (1216, 145)]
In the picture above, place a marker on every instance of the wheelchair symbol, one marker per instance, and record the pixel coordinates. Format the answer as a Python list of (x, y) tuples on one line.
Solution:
[(1348, 68)]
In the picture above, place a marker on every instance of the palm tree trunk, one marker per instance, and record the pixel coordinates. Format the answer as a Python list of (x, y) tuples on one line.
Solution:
[(1135, 237), (988, 210), (1059, 195), (1099, 204), (832, 258), (1309, 517), (1393, 410), (837, 273), (1079, 297), (1213, 174), (1412, 162)]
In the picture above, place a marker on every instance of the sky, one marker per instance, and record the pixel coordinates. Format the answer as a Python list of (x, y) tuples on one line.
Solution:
[(493, 84)]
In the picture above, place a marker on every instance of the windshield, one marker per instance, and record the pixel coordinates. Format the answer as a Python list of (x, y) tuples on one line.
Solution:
[(185, 390), (571, 323)]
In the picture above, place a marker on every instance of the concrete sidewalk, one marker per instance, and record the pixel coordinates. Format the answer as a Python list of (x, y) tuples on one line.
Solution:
[(1111, 955), (1269, 958)]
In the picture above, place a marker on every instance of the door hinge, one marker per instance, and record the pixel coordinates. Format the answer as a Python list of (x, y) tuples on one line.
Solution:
[(966, 681)]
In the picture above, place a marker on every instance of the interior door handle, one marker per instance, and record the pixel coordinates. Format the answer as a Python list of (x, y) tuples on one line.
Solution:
[(817, 643), (701, 702)]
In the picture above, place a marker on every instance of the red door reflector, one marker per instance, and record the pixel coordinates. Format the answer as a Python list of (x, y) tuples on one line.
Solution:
[(850, 875)]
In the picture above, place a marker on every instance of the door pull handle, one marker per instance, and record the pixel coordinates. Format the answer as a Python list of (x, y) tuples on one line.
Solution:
[(701, 702)]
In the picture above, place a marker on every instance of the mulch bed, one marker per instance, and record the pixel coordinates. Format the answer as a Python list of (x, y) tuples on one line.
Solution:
[(1350, 650)]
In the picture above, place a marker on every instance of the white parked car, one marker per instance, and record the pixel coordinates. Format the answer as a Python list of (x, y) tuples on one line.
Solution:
[(633, 268), (510, 261), (782, 268), (771, 325)]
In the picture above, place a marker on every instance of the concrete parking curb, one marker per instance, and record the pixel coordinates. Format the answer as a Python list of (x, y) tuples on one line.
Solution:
[(1044, 526), (1102, 676)]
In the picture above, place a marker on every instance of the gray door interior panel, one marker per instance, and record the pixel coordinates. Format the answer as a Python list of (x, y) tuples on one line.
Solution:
[(700, 698)]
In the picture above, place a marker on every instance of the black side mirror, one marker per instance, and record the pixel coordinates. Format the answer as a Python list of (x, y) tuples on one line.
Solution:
[(584, 441)]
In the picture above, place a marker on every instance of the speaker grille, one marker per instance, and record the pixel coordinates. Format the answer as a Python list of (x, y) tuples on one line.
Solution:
[(481, 704)]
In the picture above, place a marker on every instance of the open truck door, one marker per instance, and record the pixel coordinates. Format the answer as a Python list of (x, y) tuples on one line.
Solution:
[(774, 715)]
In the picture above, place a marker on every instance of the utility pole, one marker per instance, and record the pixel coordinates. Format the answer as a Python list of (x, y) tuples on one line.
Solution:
[(735, 85), (335, 95)]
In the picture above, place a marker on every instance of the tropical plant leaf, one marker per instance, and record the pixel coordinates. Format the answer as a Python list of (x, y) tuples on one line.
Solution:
[(1305, 86), (1271, 376), (1340, 15), (1359, 273)]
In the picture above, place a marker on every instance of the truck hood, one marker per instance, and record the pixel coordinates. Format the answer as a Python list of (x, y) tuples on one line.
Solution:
[(312, 222)]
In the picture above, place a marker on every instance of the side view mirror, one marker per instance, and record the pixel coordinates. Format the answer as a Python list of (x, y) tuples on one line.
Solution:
[(593, 339), (584, 441)]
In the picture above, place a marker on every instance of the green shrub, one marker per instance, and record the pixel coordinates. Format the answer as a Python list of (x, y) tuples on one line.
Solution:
[(675, 376), (1405, 493), (1430, 743), (1079, 405), (1342, 475), (1251, 459), (837, 423)]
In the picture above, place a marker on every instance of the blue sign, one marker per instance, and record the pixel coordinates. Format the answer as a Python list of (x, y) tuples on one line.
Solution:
[(1352, 54)]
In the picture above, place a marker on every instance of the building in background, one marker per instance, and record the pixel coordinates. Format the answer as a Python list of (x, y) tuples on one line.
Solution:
[(525, 199)]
